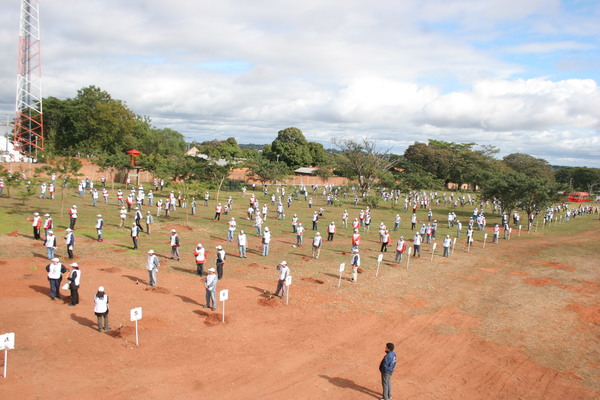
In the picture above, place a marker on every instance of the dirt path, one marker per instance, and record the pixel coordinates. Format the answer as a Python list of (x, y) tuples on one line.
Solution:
[(507, 323)]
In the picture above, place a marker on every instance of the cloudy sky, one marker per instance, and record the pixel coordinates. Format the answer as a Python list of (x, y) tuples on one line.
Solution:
[(521, 75)]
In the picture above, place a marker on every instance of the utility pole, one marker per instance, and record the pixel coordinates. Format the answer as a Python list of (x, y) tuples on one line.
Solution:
[(29, 131)]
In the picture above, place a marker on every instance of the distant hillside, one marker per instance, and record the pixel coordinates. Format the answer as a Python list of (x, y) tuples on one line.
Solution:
[(251, 146)]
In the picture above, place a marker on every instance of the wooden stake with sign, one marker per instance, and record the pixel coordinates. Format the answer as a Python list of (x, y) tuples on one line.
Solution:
[(288, 283), (7, 341), (136, 314), (408, 259), (379, 259), (224, 295), (433, 250), (342, 268)]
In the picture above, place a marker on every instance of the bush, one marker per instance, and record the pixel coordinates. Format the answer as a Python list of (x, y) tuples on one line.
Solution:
[(372, 201)]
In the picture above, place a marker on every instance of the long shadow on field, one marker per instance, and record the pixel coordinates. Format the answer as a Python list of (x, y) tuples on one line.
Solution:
[(264, 292), (186, 270), (41, 289), (201, 313), (133, 278), (40, 255), (189, 300), (84, 321), (348, 384)]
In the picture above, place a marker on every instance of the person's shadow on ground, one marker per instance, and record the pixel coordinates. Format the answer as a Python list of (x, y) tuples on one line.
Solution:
[(349, 384)]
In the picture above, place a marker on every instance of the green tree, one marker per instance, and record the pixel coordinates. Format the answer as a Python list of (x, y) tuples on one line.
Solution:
[(88, 124), (291, 148), (118, 163), (264, 170), (11, 180), (579, 178), (453, 162), (165, 142), (363, 160), (529, 165), (66, 169)]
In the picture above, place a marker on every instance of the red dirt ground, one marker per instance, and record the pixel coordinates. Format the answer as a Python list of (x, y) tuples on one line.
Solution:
[(456, 326)]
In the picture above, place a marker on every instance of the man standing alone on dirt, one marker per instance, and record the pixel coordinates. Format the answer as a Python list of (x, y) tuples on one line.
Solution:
[(386, 367), (152, 266), (284, 272)]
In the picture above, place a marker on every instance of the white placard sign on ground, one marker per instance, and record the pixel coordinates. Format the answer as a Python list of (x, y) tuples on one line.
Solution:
[(224, 295), (408, 257), (135, 315), (7, 342), (288, 283), (379, 259), (484, 239), (342, 268), (433, 250)]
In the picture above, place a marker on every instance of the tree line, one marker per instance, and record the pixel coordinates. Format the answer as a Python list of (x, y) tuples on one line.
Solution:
[(95, 125)]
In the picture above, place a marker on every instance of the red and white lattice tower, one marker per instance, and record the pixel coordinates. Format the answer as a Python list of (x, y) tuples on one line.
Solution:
[(29, 131)]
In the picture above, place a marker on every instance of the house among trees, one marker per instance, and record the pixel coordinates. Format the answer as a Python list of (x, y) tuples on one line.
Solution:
[(306, 171)]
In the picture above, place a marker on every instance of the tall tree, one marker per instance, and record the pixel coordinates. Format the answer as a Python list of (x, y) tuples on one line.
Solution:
[(529, 165), (264, 170), (291, 148), (579, 178), (363, 160)]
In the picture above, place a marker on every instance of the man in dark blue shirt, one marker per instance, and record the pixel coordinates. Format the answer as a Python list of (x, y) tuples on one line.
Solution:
[(387, 369)]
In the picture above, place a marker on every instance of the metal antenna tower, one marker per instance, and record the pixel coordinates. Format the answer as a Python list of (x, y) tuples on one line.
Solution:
[(29, 131)]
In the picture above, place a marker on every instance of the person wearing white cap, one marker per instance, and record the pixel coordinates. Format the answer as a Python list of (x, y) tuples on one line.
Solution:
[(210, 286), (220, 261), (55, 270), (101, 309), (266, 240), (242, 244), (43, 188), (50, 243), (400, 249), (135, 234), (94, 197), (446, 244), (200, 255), (316, 245), (331, 230), (99, 226), (299, 233), (284, 272), (149, 221), (74, 280), (218, 210), (138, 219), (152, 267), (73, 217), (355, 263), (232, 225), (36, 224), (174, 241), (48, 224), (70, 242)]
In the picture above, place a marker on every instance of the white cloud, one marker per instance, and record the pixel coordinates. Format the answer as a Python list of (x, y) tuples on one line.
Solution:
[(392, 72)]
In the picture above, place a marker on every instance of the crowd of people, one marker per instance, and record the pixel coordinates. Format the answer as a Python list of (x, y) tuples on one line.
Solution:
[(276, 200)]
